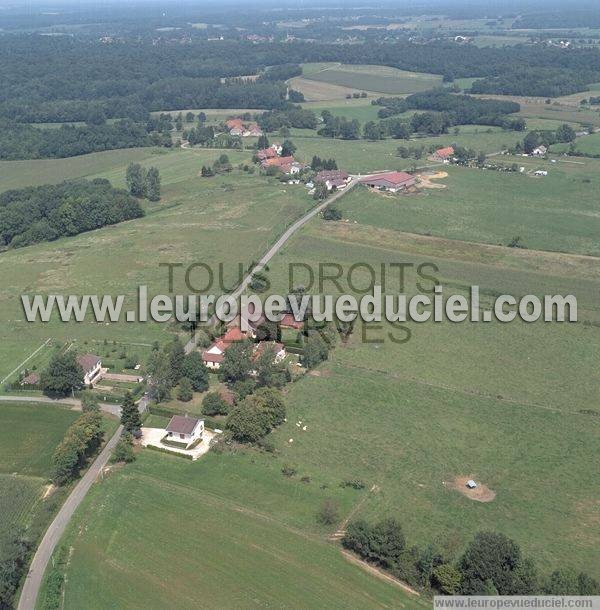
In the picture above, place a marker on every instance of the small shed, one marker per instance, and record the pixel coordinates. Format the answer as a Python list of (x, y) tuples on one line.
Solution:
[(471, 484)]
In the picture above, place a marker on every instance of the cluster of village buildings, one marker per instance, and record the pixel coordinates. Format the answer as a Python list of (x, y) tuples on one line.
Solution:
[(246, 129), (214, 355)]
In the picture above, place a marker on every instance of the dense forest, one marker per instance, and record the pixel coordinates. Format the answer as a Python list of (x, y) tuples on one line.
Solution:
[(45, 213), (21, 141), (53, 78)]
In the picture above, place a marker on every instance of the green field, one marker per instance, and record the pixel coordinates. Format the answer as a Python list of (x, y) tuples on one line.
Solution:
[(378, 79), (28, 436), (364, 156), (186, 227), (556, 212), (250, 541), (587, 145)]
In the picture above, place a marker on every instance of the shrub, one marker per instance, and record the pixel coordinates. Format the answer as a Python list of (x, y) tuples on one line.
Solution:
[(123, 452), (328, 513), (185, 393), (213, 404), (446, 578)]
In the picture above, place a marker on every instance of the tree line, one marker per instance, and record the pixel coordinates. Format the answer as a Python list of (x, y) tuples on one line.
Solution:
[(492, 564), (45, 213)]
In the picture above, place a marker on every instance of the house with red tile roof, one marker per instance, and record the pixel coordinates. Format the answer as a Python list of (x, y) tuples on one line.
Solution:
[(288, 321), (443, 154)]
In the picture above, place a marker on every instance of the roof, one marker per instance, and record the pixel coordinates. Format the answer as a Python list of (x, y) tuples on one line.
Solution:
[(266, 153), (331, 174), (88, 362), (216, 358), (278, 161), (233, 334), (392, 178), (262, 346), (182, 424), (444, 152), (288, 321), (234, 123)]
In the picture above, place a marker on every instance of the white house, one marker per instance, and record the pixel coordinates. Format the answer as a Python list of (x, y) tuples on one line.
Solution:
[(92, 367), (213, 356), (540, 151), (185, 430)]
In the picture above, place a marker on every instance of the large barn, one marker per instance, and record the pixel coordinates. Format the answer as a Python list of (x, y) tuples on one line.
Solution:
[(390, 181)]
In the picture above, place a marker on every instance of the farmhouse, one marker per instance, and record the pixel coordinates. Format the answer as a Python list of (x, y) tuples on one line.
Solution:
[(540, 151), (92, 367), (390, 181), (266, 153), (288, 165), (213, 356), (337, 178), (252, 130), (185, 430), (443, 154)]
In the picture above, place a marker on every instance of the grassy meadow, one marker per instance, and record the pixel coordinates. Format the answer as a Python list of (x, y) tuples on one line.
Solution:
[(247, 528), (508, 404), (557, 212), (194, 223)]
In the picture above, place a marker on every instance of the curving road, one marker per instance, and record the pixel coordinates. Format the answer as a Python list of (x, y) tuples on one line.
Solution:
[(272, 251)]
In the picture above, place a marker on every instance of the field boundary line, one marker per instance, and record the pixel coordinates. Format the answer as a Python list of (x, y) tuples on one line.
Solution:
[(26, 360)]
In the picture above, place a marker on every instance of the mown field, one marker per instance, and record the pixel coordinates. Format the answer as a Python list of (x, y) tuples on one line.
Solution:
[(557, 212), (378, 79), (587, 145), (250, 540), (194, 223)]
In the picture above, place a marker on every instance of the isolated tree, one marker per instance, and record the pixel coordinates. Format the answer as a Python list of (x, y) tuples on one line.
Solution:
[(135, 177), (153, 184), (62, 376), (332, 213), (247, 423), (130, 414), (195, 370), (190, 117), (213, 404)]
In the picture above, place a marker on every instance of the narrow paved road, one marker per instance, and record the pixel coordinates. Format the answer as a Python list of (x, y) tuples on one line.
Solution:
[(58, 526), (191, 344), (107, 407)]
